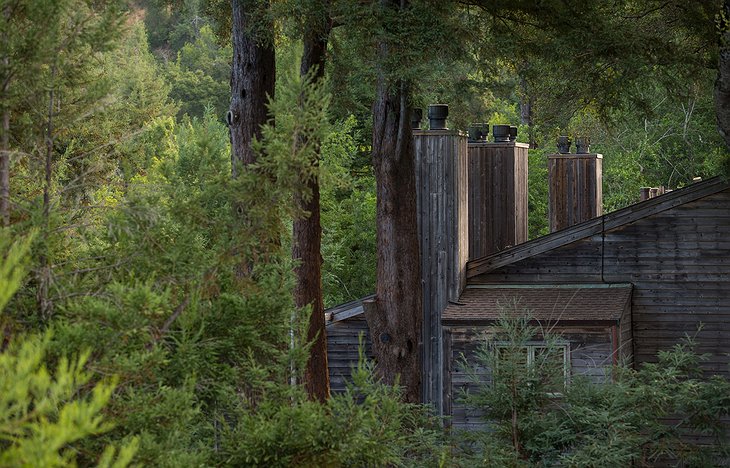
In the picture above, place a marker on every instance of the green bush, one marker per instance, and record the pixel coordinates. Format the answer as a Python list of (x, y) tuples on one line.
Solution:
[(41, 412), (640, 417)]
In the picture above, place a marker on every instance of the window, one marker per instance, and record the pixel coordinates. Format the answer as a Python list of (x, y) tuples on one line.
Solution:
[(549, 362)]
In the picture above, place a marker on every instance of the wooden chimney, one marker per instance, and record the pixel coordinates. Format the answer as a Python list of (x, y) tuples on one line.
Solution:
[(575, 185), (441, 184), (497, 196)]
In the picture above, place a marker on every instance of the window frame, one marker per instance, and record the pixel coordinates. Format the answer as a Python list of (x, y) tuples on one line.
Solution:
[(531, 346)]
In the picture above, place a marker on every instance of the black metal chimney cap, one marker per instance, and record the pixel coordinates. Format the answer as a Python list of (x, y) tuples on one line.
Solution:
[(478, 132), (501, 133), (564, 144), (582, 145), (437, 114)]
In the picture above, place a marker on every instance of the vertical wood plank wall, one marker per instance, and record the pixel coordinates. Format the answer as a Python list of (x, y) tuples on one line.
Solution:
[(442, 199), (575, 187), (679, 263), (591, 356), (497, 197)]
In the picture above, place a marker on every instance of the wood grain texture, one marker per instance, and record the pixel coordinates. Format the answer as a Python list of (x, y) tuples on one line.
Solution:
[(591, 356), (677, 260), (575, 187), (673, 200), (441, 180), (343, 347), (497, 197)]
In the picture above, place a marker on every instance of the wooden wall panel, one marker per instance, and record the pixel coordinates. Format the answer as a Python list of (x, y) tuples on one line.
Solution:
[(679, 263), (575, 188), (591, 356), (497, 197), (343, 344), (442, 200)]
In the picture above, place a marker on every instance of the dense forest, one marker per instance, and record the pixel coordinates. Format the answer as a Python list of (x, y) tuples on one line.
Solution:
[(185, 185)]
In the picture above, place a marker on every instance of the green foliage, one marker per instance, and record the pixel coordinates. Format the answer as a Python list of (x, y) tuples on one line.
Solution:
[(13, 267), (348, 217), (200, 76), (291, 146), (537, 196), (174, 277), (366, 426), (41, 413), (639, 417), (172, 23), (517, 399)]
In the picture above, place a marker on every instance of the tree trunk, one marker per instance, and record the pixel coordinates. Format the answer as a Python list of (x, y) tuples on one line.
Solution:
[(5, 166), (5, 140), (526, 103), (253, 76), (396, 316), (45, 307), (722, 84), (306, 245)]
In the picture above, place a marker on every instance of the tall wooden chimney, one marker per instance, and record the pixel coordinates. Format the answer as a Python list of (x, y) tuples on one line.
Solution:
[(575, 185), (497, 196), (441, 184)]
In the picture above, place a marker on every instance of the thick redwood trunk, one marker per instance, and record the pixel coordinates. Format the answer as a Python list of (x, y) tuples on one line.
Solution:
[(306, 246), (722, 85), (253, 77), (395, 320)]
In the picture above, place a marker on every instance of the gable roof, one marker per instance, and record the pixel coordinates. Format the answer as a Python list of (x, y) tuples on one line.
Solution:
[(596, 225), (585, 303)]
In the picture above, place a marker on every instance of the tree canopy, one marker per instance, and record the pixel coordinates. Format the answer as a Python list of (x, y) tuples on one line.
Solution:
[(174, 173)]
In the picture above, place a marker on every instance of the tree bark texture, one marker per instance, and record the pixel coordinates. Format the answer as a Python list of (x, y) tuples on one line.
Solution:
[(253, 76), (395, 320), (5, 140), (45, 306), (306, 246), (5, 169), (722, 84), (526, 104)]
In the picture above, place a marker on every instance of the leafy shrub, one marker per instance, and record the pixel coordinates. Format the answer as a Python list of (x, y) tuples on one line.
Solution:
[(640, 417)]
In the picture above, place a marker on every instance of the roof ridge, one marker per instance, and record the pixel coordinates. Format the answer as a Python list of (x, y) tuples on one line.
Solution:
[(596, 225)]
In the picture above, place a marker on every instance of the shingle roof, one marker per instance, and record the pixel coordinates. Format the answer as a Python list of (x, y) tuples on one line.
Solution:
[(546, 302)]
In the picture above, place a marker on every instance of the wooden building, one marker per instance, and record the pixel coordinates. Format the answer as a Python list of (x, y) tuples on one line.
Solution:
[(621, 286), (593, 322), (346, 332), (675, 251), (575, 189), (497, 196)]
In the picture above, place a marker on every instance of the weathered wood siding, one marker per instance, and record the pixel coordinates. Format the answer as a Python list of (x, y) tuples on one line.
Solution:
[(442, 200), (677, 259), (343, 344), (625, 355), (591, 356), (497, 197), (575, 187)]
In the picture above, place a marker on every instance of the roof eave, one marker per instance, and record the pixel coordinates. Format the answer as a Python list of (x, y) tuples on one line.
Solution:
[(595, 226)]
